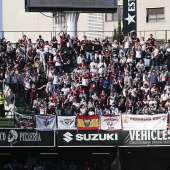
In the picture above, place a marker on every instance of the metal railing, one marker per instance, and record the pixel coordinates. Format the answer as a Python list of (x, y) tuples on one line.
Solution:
[(14, 36), (8, 121)]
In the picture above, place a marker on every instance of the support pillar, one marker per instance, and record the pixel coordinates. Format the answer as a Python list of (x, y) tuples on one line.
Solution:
[(72, 19), (1, 21)]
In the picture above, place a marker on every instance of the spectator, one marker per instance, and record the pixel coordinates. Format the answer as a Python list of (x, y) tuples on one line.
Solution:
[(114, 81), (153, 41), (153, 78), (155, 56)]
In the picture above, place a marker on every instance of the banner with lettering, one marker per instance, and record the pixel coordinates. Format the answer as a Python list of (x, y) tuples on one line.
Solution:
[(144, 122), (145, 138), (87, 122), (46, 123), (110, 123), (129, 16), (66, 122), (26, 138)]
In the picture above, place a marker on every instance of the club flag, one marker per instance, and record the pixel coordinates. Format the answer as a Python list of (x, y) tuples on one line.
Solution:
[(46, 123), (66, 122), (9, 101), (24, 121), (87, 122)]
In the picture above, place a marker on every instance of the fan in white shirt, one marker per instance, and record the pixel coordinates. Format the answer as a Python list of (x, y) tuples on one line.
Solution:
[(94, 69), (101, 63), (152, 101), (164, 96), (80, 58), (145, 88), (93, 63), (46, 47), (50, 73), (75, 103), (65, 90), (55, 79), (114, 110)]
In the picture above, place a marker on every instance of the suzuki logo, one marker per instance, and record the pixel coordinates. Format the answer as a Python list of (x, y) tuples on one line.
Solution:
[(68, 137)]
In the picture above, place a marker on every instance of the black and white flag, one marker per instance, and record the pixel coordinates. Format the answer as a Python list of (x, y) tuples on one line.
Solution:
[(24, 121), (129, 16), (9, 100)]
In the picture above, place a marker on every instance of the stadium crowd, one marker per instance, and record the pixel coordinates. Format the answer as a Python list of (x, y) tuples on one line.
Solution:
[(88, 77)]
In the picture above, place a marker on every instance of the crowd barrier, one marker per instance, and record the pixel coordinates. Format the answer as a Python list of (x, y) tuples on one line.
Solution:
[(88, 131), (14, 36), (107, 123)]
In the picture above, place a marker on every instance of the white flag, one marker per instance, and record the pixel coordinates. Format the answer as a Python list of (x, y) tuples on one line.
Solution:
[(46, 123), (111, 123), (9, 100), (66, 122)]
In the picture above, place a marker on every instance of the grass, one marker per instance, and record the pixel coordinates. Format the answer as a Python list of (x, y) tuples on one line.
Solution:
[(6, 123)]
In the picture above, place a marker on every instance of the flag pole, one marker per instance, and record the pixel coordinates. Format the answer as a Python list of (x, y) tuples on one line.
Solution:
[(13, 111)]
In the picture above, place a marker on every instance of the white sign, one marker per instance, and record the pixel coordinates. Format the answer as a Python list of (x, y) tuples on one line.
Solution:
[(111, 123), (46, 123), (89, 137), (144, 122), (66, 122)]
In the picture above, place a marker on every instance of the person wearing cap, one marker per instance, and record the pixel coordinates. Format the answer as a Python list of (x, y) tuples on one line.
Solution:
[(2, 102), (115, 60)]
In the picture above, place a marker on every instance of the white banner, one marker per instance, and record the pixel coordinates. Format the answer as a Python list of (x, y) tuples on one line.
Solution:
[(110, 123), (144, 122), (46, 123), (66, 122)]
